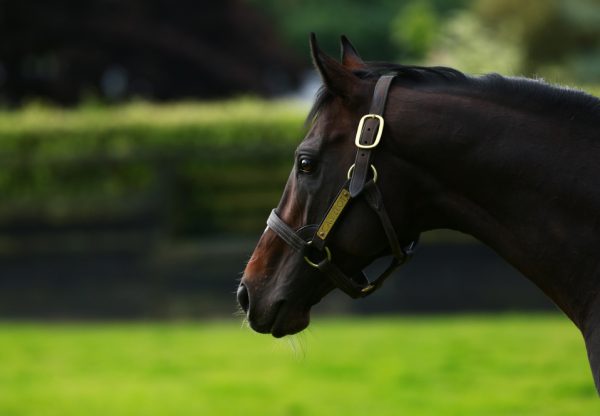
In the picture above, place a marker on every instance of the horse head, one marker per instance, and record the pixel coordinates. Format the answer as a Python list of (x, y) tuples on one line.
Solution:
[(332, 220)]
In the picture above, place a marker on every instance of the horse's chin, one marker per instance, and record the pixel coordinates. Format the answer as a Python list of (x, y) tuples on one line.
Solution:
[(285, 320), (290, 321), (290, 324)]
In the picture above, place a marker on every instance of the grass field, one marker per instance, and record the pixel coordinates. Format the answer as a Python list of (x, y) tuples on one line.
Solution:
[(463, 365)]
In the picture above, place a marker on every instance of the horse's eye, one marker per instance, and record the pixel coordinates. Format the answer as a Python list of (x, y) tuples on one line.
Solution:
[(306, 164)]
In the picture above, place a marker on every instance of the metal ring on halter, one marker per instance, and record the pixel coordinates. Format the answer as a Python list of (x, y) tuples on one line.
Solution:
[(367, 289), (349, 175), (313, 264)]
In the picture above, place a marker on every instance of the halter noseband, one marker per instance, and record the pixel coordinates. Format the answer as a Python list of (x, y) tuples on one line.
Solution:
[(368, 136)]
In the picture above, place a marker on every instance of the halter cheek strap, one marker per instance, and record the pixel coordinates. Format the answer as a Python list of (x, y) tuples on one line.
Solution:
[(368, 135)]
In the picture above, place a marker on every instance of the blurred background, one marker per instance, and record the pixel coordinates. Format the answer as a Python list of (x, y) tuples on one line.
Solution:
[(143, 144)]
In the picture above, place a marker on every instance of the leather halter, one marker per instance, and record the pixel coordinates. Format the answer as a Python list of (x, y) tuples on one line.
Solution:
[(358, 183)]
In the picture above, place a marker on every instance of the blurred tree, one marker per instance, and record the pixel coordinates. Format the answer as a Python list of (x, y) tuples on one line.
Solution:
[(372, 26), (415, 28), (467, 44), (555, 38), (160, 49)]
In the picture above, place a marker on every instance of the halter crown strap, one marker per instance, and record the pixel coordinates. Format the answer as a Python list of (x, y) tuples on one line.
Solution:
[(371, 128)]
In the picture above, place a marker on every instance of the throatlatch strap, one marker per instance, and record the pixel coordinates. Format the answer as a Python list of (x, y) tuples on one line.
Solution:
[(375, 201), (343, 282), (369, 134)]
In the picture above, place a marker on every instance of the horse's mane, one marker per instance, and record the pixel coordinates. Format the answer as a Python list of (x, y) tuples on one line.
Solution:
[(517, 91)]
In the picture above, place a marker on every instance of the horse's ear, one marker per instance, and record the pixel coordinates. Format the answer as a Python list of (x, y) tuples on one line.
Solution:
[(350, 57), (337, 78)]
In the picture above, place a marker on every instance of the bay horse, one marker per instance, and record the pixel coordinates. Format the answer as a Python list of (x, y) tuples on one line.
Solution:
[(513, 162)]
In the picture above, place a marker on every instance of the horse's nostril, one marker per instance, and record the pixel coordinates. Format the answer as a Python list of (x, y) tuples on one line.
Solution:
[(243, 297)]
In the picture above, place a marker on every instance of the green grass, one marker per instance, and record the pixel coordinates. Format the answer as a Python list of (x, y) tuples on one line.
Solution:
[(505, 365)]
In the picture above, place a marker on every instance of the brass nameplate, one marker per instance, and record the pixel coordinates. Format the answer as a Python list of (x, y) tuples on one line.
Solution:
[(333, 214)]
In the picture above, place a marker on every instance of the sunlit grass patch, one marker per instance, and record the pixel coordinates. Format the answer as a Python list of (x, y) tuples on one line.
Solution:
[(517, 364)]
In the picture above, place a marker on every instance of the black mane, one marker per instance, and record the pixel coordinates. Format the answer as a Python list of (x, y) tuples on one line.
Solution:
[(518, 91), (417, 74)]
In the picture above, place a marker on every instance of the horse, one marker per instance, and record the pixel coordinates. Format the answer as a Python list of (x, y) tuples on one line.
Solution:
[(512, 161)]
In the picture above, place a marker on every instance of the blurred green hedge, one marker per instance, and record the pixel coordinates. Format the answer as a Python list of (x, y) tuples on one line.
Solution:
[(192, 168), (184, 169)]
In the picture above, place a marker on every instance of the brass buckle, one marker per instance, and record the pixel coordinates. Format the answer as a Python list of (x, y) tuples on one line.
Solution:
[(360, 128), (312, 263), (367, 289)]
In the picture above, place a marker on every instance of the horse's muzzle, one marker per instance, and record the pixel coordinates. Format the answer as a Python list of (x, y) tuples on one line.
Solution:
[(243, 297)]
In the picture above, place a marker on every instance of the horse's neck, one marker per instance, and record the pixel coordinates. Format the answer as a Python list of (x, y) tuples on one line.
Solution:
[(525, 185)]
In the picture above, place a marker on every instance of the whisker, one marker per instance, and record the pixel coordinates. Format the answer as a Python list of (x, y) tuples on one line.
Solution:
[(239, 313), (298, 344), (245, 324)]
